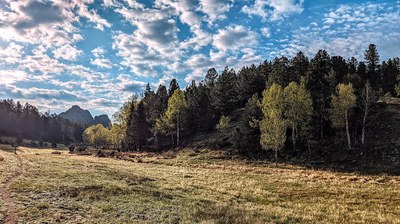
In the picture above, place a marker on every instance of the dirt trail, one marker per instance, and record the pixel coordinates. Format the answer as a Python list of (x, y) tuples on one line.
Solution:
[(10, 215)]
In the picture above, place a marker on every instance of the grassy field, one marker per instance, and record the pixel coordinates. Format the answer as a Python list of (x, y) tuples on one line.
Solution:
[(190, 187)]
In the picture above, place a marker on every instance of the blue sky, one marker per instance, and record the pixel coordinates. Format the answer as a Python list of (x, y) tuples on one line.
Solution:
[(97, 53)]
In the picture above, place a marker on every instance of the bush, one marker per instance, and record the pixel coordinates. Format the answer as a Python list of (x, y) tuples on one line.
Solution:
[(45, 144), (54, 145), (223, 122), (41, 143)]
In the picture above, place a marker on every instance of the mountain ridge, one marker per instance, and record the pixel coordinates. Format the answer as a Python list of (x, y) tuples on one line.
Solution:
[(78, 115)]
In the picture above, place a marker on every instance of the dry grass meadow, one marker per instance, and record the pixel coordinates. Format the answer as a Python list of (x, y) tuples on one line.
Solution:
[(188, 187)]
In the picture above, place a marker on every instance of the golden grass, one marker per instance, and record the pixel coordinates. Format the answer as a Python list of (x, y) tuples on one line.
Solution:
[(193, 187)]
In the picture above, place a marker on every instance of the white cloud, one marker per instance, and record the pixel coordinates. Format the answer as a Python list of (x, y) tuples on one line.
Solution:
[(141, 59), (266, 32), (234, 37), (215, 9), (98, 52), (102, 62), (348, 30), (11, 54), (12, 76), (67, 52), (280, 8)]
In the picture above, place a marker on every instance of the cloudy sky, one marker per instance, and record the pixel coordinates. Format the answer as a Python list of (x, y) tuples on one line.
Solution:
[(96, 53)]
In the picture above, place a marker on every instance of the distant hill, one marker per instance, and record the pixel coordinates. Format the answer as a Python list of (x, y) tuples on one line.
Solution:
[(102, 119), (81, 116)]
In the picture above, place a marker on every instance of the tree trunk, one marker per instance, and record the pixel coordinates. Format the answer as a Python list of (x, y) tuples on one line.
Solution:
[(322, 128), (363, 126), (347, 131), (276, 157), (293, 138), (177, 130)]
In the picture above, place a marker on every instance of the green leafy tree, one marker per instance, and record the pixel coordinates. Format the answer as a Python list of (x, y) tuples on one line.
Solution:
[(165, 127), (342, 103), (298, 109), (121, 119), (176, 104), (97, 135), (273, 124)]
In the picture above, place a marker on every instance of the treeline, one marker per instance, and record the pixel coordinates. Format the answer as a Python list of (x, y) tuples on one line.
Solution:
[(25, 121), (322, 101)]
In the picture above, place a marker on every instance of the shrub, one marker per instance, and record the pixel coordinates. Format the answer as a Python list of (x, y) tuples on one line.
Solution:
[(54, 145), (71, 148), (41, 143), (223, 122)]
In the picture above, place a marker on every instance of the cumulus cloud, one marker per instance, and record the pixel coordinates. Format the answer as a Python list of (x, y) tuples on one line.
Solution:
[(98, 52), (215, 9), (67, 52), (274, 9), (12, 76), (266, 32), (141, 59), (234, 37), (11, 54), (49, 23), (348, 30), (102, 63)]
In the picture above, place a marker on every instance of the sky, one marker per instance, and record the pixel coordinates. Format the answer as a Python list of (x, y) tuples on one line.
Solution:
[(98, 53)]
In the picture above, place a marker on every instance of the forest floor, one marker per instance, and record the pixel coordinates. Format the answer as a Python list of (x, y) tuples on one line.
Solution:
[(186, 187)]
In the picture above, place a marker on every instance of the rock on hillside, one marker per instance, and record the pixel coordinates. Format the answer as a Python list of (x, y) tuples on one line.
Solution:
[(102, 119), (84, 117)]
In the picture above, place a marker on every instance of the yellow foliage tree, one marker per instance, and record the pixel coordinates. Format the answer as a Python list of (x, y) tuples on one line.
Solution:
[(298, 109), (342, 103), (273, 124), (176, 104), (97, 135)]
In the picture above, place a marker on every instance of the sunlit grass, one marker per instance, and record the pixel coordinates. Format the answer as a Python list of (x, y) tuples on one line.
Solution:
[(200, 187)]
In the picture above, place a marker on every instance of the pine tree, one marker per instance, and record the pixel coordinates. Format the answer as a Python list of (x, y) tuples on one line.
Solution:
[(249, 82), (279, 72), (371, 56), (223, 96), (173, 85), (320, 88)]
